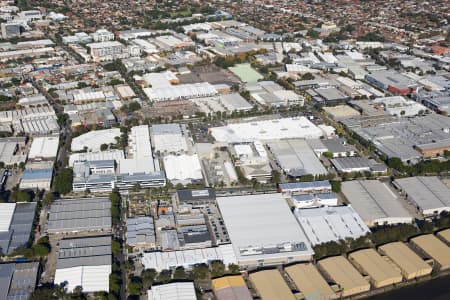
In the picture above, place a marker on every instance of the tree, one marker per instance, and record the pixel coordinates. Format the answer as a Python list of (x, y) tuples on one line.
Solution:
[(217, 268), (48, 199), (42, 247), (179, 273), (115, 247), (307, 76), (276, 176), (114, 283), (103, 147), (328, 154), (148, 277), (135, 286), (336, 186), (164, 276), (20, 196), (63, 181), (48, 292), (200, 271), (233, 269), (134, 106)]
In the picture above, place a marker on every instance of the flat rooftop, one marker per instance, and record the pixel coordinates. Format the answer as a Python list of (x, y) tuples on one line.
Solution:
[(263, 227), (246, 73), (429, 193), (309, 281), (270, 285), (325, 224), (375, 201)]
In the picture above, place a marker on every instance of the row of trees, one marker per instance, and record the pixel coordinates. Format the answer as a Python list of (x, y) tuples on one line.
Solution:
[(425, 167)]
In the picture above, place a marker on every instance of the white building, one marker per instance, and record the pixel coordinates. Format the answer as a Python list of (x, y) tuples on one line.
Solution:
[(105, 51), (326, 224), (285, 128), (94, 139), (188, 258), (399, 106), (173, 291), (102, 35), (180, 92), (183, 168), (263, 230), (45, 147), (169, 138)]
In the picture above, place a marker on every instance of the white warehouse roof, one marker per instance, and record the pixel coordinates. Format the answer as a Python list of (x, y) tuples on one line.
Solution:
[(173, 291), (297, 127), (262, 227), (6, 215), (325, 224), (188, 258), (91, 278), (113, 154), (139, 141), (94, 139), (181, 91), (44, 147), (183, 167)]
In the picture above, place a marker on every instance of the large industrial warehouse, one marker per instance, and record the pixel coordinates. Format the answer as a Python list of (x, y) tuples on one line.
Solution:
[(326, 224), (309, 281), (341, 271), (375, 202), (263, 230), (429, 194), (411, 265), (84, 262), (299, 127), (296, 158), (381, 273), (78, 215), (434, 248), (270, 285)]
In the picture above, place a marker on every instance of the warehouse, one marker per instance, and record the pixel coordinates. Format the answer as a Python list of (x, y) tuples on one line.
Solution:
[(381, 273), (231, 288), (45, 147), (180, 92), (172, 291), (341, 271), (10, 153), (36, 179), (270, 285), (18, 280), (196, 197), (321, 186), (183, 169), (429, 194), (357, 164), (16, 221), (285, 128), (330, 96), (341, 112), (309, 282), (94, 139), (445, 235), (400, 107), (375, 202), (188, 258), (114, 154), (411, 265), (84, 262), (314, 200), (394, 82), (141, 232), (80, 215), (169, 138), (326, 224), (296, 158), (267, 233), (139, 142), (434, 248)]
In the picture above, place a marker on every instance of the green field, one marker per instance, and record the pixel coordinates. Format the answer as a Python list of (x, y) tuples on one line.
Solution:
[(246, 73)]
